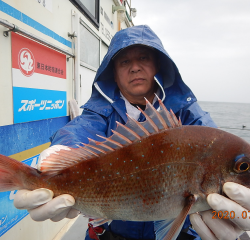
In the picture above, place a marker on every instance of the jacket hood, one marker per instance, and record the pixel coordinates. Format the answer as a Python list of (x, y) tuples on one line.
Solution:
[(168, 77)]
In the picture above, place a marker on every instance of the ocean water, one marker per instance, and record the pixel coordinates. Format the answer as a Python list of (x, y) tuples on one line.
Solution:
[(230, 117)]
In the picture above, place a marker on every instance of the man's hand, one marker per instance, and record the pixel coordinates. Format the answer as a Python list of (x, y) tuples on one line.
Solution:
[(40, 202), (208, 224), (42, 206)]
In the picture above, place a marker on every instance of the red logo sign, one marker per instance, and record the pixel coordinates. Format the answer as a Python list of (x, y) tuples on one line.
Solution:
[(26, 62), (31, 57)]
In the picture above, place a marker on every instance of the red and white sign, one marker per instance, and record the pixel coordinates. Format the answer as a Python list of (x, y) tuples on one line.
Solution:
[(37, 66)]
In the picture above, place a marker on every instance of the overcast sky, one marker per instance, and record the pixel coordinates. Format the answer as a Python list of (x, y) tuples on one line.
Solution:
[(209, 40)]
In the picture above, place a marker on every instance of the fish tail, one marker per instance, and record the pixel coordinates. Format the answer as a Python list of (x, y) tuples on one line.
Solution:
[(16, 175)]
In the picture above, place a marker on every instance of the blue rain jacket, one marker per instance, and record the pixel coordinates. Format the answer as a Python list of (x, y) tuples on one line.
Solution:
[(105, 107)]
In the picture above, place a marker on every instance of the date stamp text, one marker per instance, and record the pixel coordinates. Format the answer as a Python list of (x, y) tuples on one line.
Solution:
[(230, 215)]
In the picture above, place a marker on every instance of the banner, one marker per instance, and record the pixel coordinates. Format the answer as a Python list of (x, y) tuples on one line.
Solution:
[(39, 81)]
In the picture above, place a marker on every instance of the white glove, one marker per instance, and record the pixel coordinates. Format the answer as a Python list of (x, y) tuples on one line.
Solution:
[(40, 202), (41, 206), (235, 214)]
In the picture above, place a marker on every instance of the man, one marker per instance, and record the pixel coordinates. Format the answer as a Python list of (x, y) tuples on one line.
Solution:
[(136, 66)]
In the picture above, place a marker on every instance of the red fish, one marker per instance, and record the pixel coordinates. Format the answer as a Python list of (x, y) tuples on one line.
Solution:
[(157, 170)]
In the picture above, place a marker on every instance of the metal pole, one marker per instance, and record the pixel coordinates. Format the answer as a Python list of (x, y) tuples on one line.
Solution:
[(76, 28), (14, 28)]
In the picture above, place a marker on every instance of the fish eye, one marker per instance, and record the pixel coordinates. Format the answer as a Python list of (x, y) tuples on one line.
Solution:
[(242, 165)]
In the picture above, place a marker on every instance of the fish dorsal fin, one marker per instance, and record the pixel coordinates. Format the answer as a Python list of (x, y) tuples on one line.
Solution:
[(59, 157), (100, 145), (123, 135), (170, 232), (155, 116), (169, 117)]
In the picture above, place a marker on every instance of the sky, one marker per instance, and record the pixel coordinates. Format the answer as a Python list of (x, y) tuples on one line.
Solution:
[(209, 41)]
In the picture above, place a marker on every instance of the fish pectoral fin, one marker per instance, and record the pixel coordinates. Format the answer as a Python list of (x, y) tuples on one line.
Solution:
[(162, 227), (169, 230)]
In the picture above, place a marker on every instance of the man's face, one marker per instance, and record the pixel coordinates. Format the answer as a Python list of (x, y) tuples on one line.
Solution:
[(134, 71)]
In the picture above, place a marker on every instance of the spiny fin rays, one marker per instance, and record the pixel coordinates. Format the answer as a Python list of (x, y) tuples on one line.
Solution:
[(138, 125), (123, 135), (150, 121), (133, 130), (157, 114), (174, 118)]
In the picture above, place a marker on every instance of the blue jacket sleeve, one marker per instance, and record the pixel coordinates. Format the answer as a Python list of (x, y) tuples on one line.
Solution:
[(194, 115), (80, 128)]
